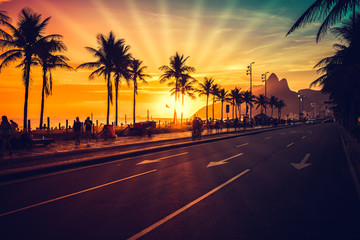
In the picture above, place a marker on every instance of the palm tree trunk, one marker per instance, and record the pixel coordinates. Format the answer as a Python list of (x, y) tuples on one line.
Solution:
[(116, 100), (207, 103), (182, 110), (134, 113), (42, 100), (213, 108), (222, 109), (108, 99), (27, 81), (233, 109)]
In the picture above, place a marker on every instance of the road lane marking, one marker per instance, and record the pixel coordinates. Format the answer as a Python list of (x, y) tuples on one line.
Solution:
[(289, 145), (211, 164), (76, 193), (268, 137), (303, 137), (242, 145), (174, 214), (159, 159), (303, 163)]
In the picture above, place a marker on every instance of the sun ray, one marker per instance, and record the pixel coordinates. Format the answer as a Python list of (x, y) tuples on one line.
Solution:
[(165, 21), (196, 17)]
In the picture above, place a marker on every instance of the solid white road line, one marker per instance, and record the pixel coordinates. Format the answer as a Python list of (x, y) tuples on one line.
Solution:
[(174, 214), (289, 145), (76, 193), (242, 145), (159, 159)]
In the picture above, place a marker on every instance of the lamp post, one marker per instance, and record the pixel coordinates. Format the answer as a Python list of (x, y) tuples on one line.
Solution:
[(249, 72), (313, 106), (300, 102), (263, 77)]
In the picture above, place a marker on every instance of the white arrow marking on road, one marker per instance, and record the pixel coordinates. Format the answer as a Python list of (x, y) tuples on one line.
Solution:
[(303, 163), (159, 159), (289, 145), (211, 164), (242, 145)]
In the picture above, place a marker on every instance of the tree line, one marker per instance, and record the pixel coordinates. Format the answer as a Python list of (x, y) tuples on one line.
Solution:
[(27, 44)]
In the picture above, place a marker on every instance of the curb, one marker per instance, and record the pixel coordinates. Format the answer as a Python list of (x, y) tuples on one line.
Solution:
[(15, 173)]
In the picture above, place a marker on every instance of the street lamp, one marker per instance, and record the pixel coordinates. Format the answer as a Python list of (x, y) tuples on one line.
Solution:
[(263, 77), (300, 101), (249, 72)]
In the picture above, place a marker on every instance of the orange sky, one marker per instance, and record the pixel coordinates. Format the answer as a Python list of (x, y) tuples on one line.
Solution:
[(221, 40)]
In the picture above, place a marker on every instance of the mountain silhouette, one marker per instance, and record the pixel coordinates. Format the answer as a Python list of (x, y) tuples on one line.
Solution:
[(281, 90)]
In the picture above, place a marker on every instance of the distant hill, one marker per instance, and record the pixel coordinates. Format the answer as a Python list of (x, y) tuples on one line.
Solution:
[(281, 90)]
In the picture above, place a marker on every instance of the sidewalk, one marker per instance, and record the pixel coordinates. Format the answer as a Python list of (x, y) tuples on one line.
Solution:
[(63, 154)]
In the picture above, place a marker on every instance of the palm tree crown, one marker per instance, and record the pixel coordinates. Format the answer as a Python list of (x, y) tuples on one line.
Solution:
[(205, 89)]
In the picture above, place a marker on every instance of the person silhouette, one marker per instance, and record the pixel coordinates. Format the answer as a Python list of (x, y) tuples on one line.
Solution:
[(88, 125), (5, 129), (77, 130)]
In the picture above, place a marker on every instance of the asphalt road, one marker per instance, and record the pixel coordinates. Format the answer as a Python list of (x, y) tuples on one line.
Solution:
[(286, 184)]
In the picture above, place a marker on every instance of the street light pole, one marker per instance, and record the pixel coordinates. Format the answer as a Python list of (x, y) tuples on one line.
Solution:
[(300, 102), (263, 77), (249, 72)]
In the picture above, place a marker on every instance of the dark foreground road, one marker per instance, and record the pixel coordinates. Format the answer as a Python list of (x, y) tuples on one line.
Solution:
[(286, 184)]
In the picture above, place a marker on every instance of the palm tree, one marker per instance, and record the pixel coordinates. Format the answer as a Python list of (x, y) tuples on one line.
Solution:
[(122, 61), (261, 102), (272, 103), (23, 42), (332, 10), (340, 73), (47, 60), (215, 88), (249, 100), (234, 94), (137, 73), (239, 100), (223, 96), (186, 88), (105, 54), (177, 70), (205, 89), (280, 105), (4, 18)]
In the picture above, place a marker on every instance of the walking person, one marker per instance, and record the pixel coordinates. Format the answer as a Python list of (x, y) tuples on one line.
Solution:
[(77, 130), (5, 128), (88, 125)]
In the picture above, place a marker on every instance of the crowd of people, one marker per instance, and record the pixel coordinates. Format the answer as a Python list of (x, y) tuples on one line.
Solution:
[(7, 129)]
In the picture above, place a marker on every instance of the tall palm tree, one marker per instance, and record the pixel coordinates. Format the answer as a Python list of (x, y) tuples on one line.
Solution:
[(176, 70), (272, 103), (186, 88), (248, 100), (4, 18), (47, 60), (215, 88), (105, 55), (261, 102), (332, 10), (205, 89), (239, 100), (280, 105), (23, 41), (233, 95), (122, 61), (223, 96), (137, 73), (340, 73)]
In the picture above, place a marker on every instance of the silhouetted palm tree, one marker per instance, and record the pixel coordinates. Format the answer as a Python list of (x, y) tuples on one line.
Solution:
[(23, 42), (176, 69), (205, 89), (332, 10), (261, 102), (105, 55), (4, 18), (249, 100), (272, 103), (215, 88), (239, 100), (122, 61), (340, 73), (137, 73), (233, 95), (280, 105), (47, 60), (186, 88), (223, 96)]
